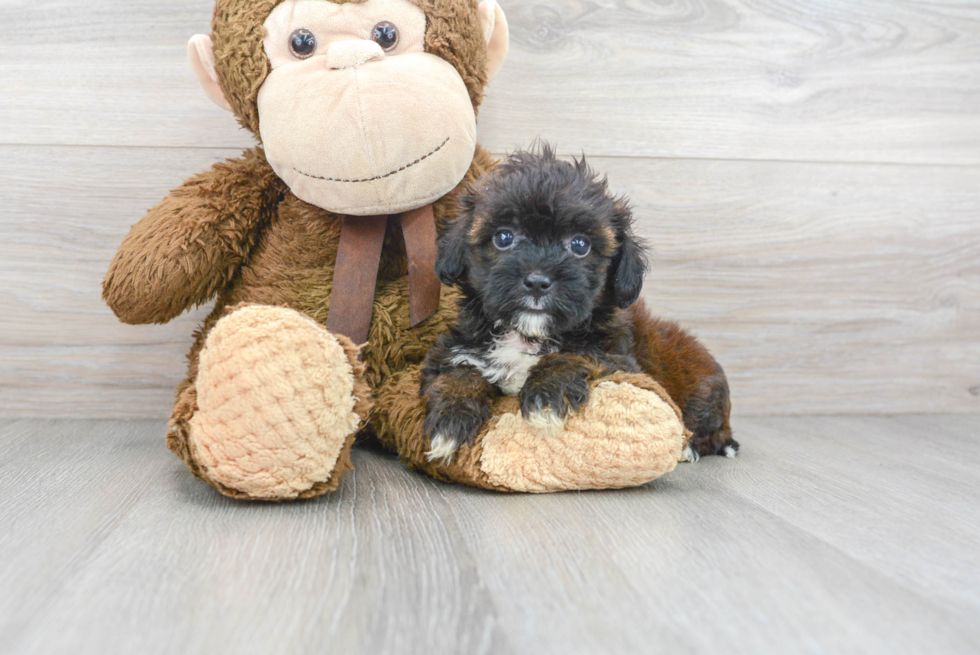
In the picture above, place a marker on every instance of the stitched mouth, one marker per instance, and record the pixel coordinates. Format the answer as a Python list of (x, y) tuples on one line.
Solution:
[(377, 177)]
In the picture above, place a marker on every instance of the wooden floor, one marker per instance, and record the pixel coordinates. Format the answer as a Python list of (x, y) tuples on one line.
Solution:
[(828, 534)]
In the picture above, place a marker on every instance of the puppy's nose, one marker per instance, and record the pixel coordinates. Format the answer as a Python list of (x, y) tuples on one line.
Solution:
[(537, 284)]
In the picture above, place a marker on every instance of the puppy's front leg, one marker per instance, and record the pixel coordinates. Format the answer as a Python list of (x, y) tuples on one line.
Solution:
[(557, 386), (458, 402)]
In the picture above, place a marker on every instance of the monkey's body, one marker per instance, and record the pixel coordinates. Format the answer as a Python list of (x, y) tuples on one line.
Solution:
[(290, 264), (273, 400)]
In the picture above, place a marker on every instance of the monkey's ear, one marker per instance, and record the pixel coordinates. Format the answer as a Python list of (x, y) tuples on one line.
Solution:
[(451, 258), (496, 32), (628, 270), (200, 52)]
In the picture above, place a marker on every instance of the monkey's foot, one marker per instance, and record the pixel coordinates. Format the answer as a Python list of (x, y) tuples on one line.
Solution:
[(629, 433), (279, 400)]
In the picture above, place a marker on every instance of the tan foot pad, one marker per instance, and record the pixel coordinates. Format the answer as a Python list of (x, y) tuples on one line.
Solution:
[(276, 403), (629, 434)]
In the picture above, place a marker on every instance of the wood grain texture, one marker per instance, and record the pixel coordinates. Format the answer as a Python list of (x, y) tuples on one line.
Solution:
[(826, 80), (835, 534), (832, 80), (821, 288), (61, 350)]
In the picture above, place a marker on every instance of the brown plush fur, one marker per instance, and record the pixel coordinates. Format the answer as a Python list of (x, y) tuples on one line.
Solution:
[(398, 419), (189, 247), (453, 33), (237, 234), (291, 265), (400, 414)]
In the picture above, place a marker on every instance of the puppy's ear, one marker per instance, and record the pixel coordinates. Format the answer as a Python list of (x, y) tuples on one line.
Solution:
[(629, 265), (451, 258)]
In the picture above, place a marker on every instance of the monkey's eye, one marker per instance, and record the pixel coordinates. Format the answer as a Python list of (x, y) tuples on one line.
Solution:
[(580, 246), (503, 240), (385, 35), (302, 43)]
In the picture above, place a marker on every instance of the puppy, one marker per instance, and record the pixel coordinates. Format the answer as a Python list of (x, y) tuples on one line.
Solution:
[(550, 272)]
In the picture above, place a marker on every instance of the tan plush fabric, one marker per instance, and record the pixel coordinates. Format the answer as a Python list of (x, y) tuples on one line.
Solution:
[(629, 434), (276, 403), (201, 232), (497, 34), (333, 23), (626, 436), (453, 33), (200, 55), (337, 127), (272, 401), (341, 149)]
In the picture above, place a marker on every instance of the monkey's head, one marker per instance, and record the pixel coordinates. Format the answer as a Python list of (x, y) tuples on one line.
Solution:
[(363, 106)]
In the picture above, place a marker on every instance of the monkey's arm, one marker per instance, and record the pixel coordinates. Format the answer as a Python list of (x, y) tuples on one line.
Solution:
[(190, 245)]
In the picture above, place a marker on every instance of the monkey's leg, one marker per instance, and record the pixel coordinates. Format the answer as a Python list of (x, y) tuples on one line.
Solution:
[(272, 408), (628, 434), (692, 377)]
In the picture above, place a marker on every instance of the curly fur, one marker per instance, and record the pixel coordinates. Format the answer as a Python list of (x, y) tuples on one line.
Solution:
[(453, 32), (540, 321)]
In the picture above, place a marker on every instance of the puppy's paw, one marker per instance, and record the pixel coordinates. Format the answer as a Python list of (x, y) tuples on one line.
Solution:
[(448, 431), (442, 449), (547, 401), (689, 455), (730, 449), (544, 419)]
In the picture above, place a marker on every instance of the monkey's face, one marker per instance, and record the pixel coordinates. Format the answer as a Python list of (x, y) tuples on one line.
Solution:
[(364, 106), (355, 116)]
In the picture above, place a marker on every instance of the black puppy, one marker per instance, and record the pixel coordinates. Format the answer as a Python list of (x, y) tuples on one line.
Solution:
[(548, 263)]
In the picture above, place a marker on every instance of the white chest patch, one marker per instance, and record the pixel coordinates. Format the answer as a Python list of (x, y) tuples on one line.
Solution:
[(507, 364)]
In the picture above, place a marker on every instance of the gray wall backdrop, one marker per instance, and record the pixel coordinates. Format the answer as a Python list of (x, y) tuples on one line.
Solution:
[(807, 170)]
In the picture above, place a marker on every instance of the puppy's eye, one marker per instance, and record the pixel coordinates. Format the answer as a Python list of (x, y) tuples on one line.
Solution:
[(302, 43), (503, 240), (580, 246), (385, 35)]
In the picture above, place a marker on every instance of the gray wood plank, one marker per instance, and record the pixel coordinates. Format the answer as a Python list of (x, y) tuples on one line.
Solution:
[(62, 352), (64, 489), (821, 288), (815, 539), (875, 81), (701, 570), (885, 490), (833, 80), (168, 566)]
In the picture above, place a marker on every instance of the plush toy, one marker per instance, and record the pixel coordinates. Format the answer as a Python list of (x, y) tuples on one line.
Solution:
[(319, 248)]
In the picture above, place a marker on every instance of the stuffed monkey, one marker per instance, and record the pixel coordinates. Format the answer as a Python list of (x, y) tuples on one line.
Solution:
[(318, 247)]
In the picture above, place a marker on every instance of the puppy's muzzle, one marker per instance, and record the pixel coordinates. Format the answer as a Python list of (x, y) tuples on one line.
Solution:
[(538, 285)]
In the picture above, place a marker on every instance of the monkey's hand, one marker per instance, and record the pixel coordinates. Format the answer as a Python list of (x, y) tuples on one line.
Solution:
[(557, 386), (189, 246), (459, 401)]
